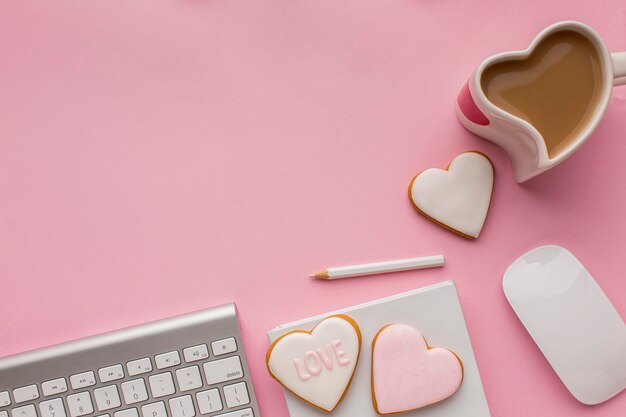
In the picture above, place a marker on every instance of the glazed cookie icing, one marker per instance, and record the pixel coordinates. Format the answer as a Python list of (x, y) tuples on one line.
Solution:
[(457, 198), (317, 366), (407, 374)]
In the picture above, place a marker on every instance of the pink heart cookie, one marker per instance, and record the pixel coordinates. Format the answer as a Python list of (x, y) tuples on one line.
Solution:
[(408, 374)]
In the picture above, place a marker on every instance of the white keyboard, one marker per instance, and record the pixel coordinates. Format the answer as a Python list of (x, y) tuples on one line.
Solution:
[(185, 366)]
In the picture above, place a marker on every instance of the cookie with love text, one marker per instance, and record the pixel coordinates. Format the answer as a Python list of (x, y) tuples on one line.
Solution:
[(457, 197), (407, 374), (317, 365)]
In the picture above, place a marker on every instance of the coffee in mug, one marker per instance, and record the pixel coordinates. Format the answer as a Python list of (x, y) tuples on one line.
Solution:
[(556, 90), (541, 104)]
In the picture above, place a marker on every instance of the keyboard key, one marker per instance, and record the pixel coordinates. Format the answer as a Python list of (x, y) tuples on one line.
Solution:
[(161, 385), (26, 411), (223, 370), (4, 414), (80, 404), (111, 373), (154, 410), (52, 408), (131, 412), (24, 394), (107, 398), (196, 353), (236, 395), (241, 413), (222, 347), (134, 391), (182, 406), (85, 379), (165, 360), (5, 399), (189, 378), (103, 415), (56, 386), (140, 366), (209, 401)]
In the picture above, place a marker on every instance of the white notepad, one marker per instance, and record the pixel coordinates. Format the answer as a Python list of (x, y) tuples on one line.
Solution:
[(435, 311)]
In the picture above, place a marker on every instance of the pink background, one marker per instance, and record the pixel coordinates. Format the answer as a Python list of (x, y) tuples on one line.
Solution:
[(159, 157)]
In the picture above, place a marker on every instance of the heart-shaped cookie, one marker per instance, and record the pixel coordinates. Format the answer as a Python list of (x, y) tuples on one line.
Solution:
[(317, 366), (407, 374), (458, 197), (556, 88)]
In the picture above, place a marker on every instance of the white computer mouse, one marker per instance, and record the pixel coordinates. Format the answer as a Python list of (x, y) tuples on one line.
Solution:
[(571, 320)]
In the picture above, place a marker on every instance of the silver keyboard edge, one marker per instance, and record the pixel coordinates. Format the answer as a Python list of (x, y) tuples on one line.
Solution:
[(117, 336)]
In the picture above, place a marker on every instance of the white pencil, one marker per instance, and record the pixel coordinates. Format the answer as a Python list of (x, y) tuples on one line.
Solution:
[(380, 267)]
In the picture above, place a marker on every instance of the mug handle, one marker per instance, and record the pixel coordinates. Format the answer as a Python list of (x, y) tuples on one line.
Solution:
[(619, 68)]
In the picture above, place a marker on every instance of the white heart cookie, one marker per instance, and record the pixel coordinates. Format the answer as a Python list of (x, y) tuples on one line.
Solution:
[(458, 197), (317, 366)]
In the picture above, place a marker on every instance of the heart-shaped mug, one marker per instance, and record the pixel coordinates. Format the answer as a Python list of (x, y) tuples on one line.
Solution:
[(541, 104)]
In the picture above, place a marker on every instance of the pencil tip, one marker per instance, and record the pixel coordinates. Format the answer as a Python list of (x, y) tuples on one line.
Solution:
[(320, 275)]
